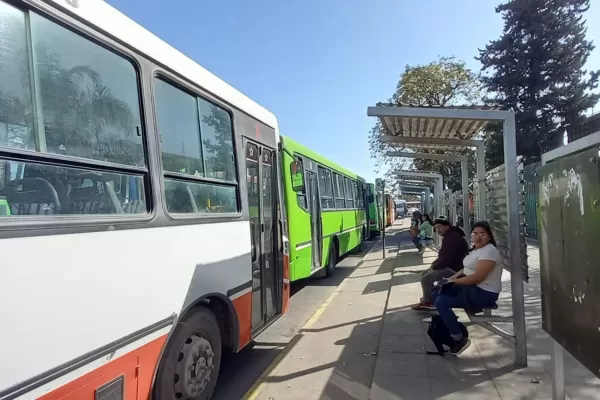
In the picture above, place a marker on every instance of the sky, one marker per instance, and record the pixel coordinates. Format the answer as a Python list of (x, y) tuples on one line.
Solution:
[(318, 64)]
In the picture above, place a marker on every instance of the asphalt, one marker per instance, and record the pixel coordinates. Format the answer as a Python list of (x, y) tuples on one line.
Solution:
[(239, 372)]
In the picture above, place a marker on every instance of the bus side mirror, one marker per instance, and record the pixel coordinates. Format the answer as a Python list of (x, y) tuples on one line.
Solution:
[(297, 172), (371, 198)]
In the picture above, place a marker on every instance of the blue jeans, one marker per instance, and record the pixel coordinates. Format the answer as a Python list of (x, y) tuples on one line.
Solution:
[(471, 298), (417, 241)]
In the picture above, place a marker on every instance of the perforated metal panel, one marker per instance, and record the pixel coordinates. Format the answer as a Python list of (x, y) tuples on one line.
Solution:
[(569, 218), (497, 215)]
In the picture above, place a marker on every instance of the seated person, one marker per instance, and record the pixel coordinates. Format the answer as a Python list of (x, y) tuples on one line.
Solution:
[(414, 229), (477, 289), (425, 232), (450, 259)]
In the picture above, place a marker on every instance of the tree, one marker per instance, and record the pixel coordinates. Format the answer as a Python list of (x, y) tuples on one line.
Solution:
[(536, 69), (446, 81)]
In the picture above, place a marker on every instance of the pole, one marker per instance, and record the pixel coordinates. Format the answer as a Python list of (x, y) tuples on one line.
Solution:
[(465, 195), (516, 272), (384, 216), (558, 373)]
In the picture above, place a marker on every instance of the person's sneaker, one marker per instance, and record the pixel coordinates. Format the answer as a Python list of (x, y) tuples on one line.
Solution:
[(424, 306), (460, 346)]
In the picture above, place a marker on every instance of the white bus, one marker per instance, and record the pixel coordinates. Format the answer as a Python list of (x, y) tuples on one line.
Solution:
[(142, 231)]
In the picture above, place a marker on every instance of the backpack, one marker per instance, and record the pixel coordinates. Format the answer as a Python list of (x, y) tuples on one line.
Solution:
[(440, 335)]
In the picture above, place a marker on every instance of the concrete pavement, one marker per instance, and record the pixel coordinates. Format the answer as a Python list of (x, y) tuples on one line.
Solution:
[(366, 342), (240, 371)]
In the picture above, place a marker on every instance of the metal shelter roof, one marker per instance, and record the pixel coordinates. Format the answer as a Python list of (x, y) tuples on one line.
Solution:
[(436, 126)]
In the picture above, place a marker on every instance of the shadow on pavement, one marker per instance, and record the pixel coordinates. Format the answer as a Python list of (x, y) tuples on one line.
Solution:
[(240, 371)]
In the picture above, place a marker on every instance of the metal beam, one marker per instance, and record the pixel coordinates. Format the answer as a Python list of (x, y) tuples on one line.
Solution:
[(426, 156), (439, 113), (419, 174), (416, 182), (426, 140)]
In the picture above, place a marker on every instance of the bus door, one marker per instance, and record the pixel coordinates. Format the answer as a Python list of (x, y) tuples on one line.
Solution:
[(262, 200), (314, 209)]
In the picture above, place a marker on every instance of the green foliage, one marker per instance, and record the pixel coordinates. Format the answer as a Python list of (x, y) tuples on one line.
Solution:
[(536, 69), (446, 81)]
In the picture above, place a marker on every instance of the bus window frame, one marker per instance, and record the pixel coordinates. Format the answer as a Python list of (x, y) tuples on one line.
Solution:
[(146, 68), (172, 79), (15, 222)]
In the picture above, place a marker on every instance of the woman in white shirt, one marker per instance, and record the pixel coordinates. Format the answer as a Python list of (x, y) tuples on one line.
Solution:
[(477, 289)]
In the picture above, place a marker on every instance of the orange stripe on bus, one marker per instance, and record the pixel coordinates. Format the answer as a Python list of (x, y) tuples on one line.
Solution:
[(137, 367), (243, 309)]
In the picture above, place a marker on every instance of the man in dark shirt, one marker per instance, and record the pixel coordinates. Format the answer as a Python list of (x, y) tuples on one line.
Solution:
[(450, 259)]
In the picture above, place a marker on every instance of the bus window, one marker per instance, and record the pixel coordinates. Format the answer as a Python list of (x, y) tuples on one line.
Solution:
[(197, 143), (338, 191), (87, 106)]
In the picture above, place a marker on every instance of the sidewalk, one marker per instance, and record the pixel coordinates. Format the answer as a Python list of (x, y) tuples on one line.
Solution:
[(365, 342)]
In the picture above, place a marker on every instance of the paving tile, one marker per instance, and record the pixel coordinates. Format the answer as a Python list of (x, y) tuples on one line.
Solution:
[(307, 386), (458, 368), (442, 389), (401, 364), (368, 284), (524, 390), (583, 392), (403, 344), (390, 387), (361, 338)]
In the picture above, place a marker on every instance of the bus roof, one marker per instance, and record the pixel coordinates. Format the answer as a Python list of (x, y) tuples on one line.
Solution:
[(295, 147), (108, 19)]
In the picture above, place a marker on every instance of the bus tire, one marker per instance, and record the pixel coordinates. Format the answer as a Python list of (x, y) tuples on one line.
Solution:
[(332, 259), (190, 364)]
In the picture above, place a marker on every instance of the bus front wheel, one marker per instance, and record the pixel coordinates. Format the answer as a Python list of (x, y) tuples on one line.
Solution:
[(191, 361)]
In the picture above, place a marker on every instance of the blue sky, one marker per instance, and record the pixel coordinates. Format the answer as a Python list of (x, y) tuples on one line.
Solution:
[(318, 64)]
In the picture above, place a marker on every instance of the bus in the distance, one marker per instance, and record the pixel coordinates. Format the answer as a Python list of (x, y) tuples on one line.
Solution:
[(390, 210), (130, 259), (373, 211), (325, 206), (401, 208)]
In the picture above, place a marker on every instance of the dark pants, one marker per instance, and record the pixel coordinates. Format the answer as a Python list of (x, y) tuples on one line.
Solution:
[(431, 275), (417, 242), (471, 298)]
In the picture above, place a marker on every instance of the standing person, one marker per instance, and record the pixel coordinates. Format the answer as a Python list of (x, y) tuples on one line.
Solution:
[(449, 261), (479, 288)]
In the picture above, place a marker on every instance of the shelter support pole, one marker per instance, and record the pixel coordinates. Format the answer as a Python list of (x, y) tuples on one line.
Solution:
[(558, 371), (516, 272), (465, 189), (481, 189)]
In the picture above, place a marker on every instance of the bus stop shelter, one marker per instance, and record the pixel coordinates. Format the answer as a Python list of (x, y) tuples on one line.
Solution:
[(423, 132), (435, 180)]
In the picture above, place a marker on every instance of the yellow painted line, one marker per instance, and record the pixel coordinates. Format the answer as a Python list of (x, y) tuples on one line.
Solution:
[(259, 385)]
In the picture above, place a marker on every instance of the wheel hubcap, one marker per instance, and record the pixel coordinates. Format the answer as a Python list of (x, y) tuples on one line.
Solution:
[(194, 367)]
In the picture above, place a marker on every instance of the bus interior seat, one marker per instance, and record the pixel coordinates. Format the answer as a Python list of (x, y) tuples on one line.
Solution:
[(32, 196), (92, 196), (135, 207), (179, 199)]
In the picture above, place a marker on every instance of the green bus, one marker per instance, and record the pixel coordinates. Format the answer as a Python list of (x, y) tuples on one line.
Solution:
[(373, 210), (325, 207)]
